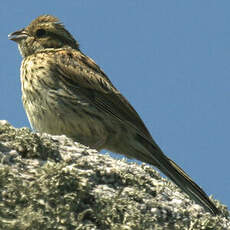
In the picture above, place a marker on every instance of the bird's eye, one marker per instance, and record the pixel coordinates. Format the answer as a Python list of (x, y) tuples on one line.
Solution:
[(40, 33)]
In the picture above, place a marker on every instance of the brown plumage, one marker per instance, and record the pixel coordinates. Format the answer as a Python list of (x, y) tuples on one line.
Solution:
[(65, 92)]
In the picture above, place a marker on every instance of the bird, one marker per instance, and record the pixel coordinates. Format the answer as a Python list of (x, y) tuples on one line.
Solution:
[(64, 92)]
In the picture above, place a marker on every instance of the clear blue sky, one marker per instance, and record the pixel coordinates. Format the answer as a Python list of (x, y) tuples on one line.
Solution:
[(169, 58)]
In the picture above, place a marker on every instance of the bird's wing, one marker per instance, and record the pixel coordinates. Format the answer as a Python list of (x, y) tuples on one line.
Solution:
[(80, 71)]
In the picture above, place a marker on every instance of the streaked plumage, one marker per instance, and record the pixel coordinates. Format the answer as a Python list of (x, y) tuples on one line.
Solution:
[(65, 92)]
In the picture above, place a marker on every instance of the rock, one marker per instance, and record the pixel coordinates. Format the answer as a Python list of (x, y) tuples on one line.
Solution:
[(52, 182)]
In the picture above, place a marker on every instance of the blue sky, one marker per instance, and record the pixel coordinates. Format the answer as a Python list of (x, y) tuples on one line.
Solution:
[(170, 59)]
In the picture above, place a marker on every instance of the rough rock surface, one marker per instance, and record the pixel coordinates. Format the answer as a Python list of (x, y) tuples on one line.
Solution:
[(52, 182)]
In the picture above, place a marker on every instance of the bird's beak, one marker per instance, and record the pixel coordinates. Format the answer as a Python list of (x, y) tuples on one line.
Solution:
[(17, 36)]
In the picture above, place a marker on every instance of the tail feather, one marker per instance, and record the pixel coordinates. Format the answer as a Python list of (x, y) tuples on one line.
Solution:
[(180, 178)]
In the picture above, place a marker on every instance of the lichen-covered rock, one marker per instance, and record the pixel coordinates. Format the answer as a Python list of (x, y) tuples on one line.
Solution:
[(52, 182)]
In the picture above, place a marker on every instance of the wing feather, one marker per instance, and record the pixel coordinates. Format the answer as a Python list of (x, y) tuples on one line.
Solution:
[(82, 72)]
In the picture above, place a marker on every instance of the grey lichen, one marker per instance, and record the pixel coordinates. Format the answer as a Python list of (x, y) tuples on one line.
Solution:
[(52, 182)]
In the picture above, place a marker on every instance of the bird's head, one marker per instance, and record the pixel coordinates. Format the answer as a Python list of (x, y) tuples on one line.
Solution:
[(44, 32)]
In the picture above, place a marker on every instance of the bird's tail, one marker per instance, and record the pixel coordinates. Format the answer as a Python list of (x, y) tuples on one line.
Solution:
[(179, 177)]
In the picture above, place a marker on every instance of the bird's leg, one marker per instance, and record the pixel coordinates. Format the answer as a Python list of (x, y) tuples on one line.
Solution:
[(99, 144)]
